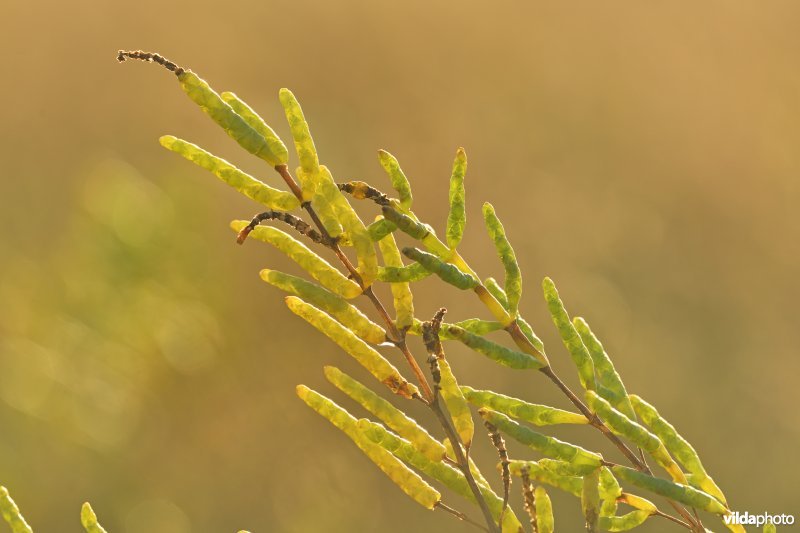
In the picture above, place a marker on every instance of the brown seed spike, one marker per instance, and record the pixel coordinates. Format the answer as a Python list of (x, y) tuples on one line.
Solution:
[(362, 191), (150, 57), (242, 235), (529, 497), (298, 224), (500, 444), (433, 361), (430, 337), (430, 334)]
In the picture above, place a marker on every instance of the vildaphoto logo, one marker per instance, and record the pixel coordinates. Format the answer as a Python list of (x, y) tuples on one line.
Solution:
[(746, 518)]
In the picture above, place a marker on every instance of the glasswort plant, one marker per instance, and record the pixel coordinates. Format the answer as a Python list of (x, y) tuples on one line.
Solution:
[(398, 445), (423, 461)]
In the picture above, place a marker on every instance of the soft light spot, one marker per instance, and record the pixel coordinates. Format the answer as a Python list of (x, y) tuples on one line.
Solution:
[(26, 374), (157, 516)]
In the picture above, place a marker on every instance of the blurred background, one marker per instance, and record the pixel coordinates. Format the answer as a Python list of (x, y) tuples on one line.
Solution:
[(644, 156)]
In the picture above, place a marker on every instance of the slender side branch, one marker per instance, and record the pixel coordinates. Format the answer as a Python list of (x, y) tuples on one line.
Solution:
[(529, 497), (298, 224), (458, 514), (500, 445), (673, 519), (594, 420), (363, 191)]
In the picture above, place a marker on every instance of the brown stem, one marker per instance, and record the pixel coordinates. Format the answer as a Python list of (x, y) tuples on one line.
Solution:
[(686, 516), (673, 519), (283, 170), (697, 519), (421, 379), (594, 420), (458, 514)]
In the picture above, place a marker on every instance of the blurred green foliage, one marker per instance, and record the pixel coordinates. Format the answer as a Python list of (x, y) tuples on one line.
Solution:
[(145, 367)]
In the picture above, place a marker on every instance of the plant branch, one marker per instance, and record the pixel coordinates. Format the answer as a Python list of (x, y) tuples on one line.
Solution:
[(458, 514), (396, 336), (526, 346), (595, 421), (673, 519), (399, 340)]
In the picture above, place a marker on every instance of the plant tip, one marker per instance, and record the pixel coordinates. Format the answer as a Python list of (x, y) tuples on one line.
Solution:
[(242, 235), (285, 95)]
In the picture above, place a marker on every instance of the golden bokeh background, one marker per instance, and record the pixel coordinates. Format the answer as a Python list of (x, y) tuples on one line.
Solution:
[(643, 155)]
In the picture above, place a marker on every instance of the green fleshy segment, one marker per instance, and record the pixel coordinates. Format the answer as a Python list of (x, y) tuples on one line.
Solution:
[(623, 426), (234, 125), (497, 291), (513, 283), (569, 335), (402, 476), (457, 217), (544, 511), (347, 314), (11, 513), (362, 352), (610, 384), (446, 272), (544, 444), (89, 520), (679, 447), (303, 143), (590, 499), (539, 415), (317, 267), (225, 171), (625, 522), (456, 404), (257, 123), (674, 491), (379, 229), (393, 417), (410, 273), (440, 471), (398, 179), (401, 291), (492, 350)]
